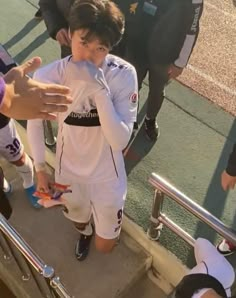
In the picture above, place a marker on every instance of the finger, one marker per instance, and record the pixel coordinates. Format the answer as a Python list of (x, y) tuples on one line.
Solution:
[(54, 108), (53, 88), (56, 99), (47, 116), (232, 185), (30, 65), (224, 185), (61, 38), (66, 38)]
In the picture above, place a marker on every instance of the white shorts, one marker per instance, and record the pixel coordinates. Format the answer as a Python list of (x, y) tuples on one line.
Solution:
[(105, 201), (11, 147)]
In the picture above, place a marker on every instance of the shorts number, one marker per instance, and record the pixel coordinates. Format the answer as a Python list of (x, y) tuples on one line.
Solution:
[(14, 147), (119, 216)]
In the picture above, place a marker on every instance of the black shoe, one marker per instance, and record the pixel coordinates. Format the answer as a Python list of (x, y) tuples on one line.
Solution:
[(38, 15), (82, 247), (151, 129)]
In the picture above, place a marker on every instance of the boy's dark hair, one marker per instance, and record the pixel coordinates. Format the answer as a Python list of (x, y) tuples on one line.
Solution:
[(102, 18)]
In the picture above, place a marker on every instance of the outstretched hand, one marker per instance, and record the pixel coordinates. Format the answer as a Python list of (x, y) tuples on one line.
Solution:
[(26, 98)]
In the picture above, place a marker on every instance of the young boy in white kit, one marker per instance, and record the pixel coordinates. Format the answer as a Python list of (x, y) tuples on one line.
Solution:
[(98, 127)]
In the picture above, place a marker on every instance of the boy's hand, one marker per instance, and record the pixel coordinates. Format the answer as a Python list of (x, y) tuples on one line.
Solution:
[(43, 182), (227, 181), (100, 78)]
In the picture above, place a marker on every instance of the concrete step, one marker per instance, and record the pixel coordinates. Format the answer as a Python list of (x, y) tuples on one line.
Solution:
[(145, 288), (53, 238)]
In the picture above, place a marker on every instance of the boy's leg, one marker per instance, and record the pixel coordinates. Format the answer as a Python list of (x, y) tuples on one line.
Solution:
[(107, 205), (78, 209), (83, 244), (12, 150)]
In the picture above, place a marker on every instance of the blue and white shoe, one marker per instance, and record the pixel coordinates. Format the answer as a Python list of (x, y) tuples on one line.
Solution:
[(33, 200)]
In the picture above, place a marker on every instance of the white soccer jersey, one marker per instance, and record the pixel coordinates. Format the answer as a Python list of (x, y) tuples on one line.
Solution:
[(84, 153)]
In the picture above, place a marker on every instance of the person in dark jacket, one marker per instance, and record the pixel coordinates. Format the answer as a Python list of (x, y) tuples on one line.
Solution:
[(159, 38), (55, 14), (228, 181)]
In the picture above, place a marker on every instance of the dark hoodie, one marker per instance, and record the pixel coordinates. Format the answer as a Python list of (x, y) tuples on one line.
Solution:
[(162, 31)]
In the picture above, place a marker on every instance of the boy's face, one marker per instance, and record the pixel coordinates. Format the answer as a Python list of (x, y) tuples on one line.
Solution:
[(82, 49)]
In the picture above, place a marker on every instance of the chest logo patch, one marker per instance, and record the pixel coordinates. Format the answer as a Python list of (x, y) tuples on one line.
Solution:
[(133, 7), (133, 99)]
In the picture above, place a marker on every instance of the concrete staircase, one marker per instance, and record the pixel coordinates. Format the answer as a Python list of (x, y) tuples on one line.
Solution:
[(121, 274)]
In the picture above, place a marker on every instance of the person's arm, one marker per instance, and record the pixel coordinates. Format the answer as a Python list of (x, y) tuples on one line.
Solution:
[(35, 134), (2, 91), (25, 98), (191, 34), (228, 177), (117, 116), (52, 16)]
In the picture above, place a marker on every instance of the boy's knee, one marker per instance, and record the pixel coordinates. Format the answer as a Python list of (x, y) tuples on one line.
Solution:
[(104, 245)]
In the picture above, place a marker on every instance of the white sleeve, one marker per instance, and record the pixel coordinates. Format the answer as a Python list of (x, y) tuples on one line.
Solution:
[(35, 134), (35, 131), (117, 114)]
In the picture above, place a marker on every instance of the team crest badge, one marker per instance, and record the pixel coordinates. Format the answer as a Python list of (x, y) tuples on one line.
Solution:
[(133, 7), (133, 99)]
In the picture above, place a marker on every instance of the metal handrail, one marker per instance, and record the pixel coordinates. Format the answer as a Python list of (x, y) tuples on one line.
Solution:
[(164, 187), (37, 263)]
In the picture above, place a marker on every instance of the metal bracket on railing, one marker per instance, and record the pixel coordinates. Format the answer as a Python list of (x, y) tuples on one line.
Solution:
[(154, 230), (50, 139), (59, 288), (163, 187), (34, 260)]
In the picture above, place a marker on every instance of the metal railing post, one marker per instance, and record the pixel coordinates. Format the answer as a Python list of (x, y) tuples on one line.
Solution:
[(155, 227), (34, 260), (198, 211), (24, 274), (50, 139), (6, 253)]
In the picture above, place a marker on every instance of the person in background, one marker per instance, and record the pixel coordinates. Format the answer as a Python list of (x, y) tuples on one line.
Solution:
[(98, 126), (55, 14), (212, 277), (159, 39), (228, 181), (12, 149), (38, 15)]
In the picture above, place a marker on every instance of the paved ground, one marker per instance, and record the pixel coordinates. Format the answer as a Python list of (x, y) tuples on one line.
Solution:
[(196, 135), (212, 67)]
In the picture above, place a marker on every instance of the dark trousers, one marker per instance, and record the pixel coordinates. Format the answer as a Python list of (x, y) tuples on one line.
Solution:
[(157, 76)]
